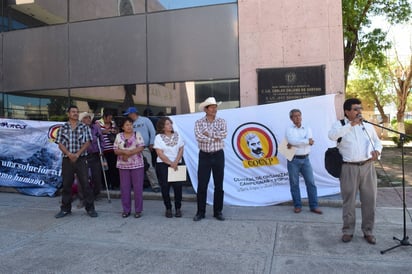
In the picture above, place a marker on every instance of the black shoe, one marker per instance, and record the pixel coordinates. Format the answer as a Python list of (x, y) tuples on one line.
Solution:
[(178, 213), (62, 214), (168, 213), (92, 213), (156, 189), (219, 217), (198, 217)]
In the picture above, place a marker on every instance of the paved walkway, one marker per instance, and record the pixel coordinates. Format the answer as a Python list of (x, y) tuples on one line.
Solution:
[(269, 239)]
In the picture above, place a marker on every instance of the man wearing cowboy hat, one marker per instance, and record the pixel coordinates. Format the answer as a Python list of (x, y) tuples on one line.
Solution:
[(210, 132), (93, 152), (73, 139)]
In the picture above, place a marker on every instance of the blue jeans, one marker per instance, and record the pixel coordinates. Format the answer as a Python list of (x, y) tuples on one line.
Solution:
[(303, 167)]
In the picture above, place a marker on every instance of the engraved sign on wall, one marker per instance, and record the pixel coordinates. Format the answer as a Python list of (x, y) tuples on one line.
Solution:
[(284, 84)]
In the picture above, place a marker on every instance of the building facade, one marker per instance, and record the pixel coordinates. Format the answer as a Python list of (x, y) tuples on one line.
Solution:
[(163, 56)]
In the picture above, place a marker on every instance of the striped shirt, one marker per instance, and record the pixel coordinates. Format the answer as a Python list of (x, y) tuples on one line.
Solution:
[(107, 144), (74, 139), (217, 132)]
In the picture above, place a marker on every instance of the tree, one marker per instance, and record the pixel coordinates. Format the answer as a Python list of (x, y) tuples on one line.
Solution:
[(370, 85), (401, 79), (361, 41)]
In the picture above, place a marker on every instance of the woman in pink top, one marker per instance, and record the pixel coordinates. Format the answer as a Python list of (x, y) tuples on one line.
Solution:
[(128, 147)]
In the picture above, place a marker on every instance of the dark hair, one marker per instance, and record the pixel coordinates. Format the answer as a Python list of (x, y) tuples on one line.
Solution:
[(70, 107), (126, 119), (107, 112), (160, 125), (293, 111), (347, 105), (147, 112)]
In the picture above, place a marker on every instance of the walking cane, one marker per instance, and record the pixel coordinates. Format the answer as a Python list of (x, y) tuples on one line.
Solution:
[(103, 169)]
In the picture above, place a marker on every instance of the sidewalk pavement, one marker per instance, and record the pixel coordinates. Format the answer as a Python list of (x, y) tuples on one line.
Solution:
[(269, 239)]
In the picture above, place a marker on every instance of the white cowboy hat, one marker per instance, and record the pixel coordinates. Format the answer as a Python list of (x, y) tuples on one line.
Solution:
[(209, 101), (85, 114)]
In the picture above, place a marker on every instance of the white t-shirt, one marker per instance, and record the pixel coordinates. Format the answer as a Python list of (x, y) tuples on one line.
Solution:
[(169, 145)]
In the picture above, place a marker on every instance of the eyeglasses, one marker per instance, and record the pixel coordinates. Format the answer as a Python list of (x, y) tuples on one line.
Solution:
[(357, 108)]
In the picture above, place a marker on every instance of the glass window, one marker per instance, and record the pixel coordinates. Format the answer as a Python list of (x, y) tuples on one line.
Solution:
[(21, 14), (117, 98), (43, 105), (157, 5), (226, 91), (185, 97), (93, 9), (151, 100)]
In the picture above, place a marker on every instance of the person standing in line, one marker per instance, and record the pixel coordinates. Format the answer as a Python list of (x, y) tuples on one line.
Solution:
[(128, 147), (169, 148), (93, 153), (210, 132), (300, 137), (109, 131), (360, 147), (145, 127), (73, 139), (93, 159)]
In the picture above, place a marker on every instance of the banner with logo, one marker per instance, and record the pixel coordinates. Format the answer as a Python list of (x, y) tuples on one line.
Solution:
[(255, 171), (29, 159)]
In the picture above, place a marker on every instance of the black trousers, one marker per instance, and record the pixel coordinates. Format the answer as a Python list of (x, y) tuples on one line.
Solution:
[(112, 174), (93, 162), (210, 163), (79, 168), (162, 172)]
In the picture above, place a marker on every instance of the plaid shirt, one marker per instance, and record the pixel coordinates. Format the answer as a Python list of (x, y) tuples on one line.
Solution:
[(217, 131), (73, 140)]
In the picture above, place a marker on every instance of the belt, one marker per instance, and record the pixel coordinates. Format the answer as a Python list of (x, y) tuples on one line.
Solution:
[(301, 156), (357, 163), (211, 153)]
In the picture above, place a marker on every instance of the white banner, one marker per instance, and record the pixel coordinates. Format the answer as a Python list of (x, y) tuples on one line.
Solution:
[(263, 181), (30, 161)]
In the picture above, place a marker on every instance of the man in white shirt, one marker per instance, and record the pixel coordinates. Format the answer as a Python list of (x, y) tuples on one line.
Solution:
[(300, 137), (360, 147)]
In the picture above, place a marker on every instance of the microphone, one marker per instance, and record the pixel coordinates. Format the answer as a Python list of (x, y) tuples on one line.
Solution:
[(359, 116)]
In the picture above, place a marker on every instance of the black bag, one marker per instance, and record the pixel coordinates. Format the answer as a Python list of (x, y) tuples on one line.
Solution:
[(333, 159)]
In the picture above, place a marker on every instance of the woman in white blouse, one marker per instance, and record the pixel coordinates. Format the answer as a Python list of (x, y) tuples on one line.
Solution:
[(169, 148)]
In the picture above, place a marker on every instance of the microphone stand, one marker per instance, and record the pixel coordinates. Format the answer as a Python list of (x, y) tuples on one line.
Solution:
[(405, 240)]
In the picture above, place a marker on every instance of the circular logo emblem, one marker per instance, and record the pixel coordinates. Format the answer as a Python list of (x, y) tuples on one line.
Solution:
[(52, 134), (254, 141)]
